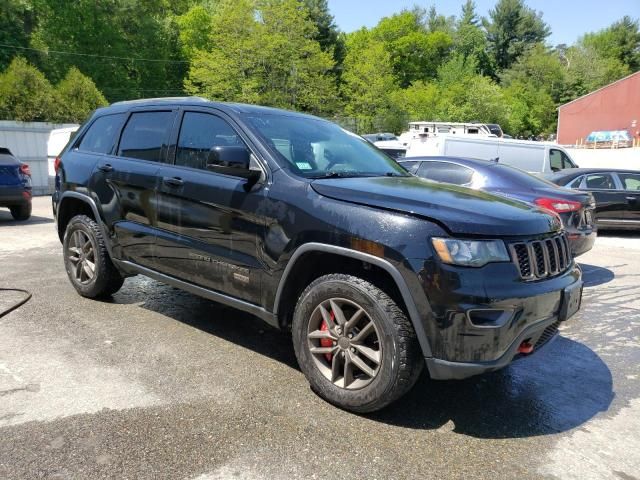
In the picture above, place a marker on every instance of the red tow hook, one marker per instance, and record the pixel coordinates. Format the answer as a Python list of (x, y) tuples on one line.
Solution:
[(525, 348)]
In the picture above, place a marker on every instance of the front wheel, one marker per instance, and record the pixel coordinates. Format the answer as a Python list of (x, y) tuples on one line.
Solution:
[(354, 344)]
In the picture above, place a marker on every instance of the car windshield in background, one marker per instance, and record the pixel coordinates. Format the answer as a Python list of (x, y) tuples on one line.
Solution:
[(318, 149)]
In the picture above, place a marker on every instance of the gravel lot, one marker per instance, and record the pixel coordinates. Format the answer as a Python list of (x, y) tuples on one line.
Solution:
[(158, 383)]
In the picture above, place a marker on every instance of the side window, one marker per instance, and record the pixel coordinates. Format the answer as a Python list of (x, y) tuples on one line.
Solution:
[(559, 160), (101, 136), (446, 172), (601, 181), (411, 166), (575, 183), (630, 181), (199, 134), (145, 135), (555, 159)]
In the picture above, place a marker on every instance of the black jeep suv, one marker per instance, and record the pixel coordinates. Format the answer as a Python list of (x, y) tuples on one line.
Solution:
[(311, 228)]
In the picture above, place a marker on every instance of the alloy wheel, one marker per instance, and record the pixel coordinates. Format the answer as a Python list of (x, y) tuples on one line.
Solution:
[(81, 256), (344, 343)]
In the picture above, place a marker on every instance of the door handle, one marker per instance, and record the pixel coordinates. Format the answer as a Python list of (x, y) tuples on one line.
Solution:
[(106, 167), (173, 181), (631, 199)]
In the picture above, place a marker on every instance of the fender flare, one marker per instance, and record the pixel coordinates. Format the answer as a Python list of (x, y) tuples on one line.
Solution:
[(412, 310), (94, 208)]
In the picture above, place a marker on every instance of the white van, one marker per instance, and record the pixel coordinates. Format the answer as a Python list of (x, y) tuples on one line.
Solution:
[(58, 139), (534, 157)]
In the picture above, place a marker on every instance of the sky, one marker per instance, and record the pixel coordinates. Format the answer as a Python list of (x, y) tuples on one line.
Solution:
[(569, 19)]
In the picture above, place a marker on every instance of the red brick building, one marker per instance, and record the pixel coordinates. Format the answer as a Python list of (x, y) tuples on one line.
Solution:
[(614, 107)]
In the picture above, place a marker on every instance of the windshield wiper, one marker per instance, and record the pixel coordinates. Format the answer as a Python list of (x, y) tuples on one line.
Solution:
[(340, 175)]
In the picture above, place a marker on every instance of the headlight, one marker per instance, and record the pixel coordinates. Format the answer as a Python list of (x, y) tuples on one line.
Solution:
[(470, 253)]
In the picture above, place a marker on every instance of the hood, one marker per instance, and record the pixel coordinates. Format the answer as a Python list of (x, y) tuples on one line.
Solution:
[(460, 210)]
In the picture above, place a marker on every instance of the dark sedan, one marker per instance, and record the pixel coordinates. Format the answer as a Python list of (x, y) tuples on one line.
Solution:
[(15, 185), (617, 193), (574, 208)]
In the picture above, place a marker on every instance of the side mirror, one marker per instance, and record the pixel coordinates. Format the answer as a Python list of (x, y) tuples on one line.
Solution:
[(234, 160)]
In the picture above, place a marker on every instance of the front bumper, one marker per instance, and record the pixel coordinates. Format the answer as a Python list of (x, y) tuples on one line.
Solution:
[(484, 318), (539, 335), (581, 241)]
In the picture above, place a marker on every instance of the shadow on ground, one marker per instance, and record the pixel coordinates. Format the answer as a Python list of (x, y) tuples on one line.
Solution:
[(7, 219), (593, 275), (558, 389)]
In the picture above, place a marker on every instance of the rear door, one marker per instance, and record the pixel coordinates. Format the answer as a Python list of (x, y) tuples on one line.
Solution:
[(126, 182), (209, 224), (630, 183), (611, 204)]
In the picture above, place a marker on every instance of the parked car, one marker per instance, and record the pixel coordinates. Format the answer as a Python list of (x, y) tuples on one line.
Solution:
[(15, 185), (379, 137), (616, 192), (530, 156), (574, 208), (309, 227), (388, 143)]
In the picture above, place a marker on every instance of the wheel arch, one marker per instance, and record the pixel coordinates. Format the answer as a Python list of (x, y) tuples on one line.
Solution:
[(285, 297), (75, 203)]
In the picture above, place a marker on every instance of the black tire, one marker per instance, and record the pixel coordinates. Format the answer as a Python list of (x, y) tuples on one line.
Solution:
[(21, 212), (106, 279), (401, 360)]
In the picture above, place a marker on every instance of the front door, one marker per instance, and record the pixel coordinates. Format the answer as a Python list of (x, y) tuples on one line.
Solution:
[(208, 223), (611, 204), (631, 186)]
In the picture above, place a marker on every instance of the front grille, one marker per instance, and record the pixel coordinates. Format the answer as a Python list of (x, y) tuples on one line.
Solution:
[(541, 258), (547, 335)]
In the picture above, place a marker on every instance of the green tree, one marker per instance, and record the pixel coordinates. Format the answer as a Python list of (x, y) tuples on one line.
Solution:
[(264, 53), (18, 18), (328, 35), (119, 32), (78, 97), (532, 110), (512, 28), (620, 41), (470, 40), (541, 68), (415, 53), (25, 93)]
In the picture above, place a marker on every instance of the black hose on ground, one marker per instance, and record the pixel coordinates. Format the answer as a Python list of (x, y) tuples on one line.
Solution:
[(17, 305)]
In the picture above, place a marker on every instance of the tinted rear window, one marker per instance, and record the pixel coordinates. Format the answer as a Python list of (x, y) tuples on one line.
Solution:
[(101, 136), (145, 135), (501, 175)]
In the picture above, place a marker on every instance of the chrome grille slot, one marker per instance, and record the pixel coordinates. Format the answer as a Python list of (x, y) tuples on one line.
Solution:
[(538, 259)]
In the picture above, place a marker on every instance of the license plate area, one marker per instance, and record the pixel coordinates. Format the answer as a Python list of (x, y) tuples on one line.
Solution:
[(571, 300)]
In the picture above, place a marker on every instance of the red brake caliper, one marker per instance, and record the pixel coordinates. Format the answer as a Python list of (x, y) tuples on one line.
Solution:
[(326, 342)]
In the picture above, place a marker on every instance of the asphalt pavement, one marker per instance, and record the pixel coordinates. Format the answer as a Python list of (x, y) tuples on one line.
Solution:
[(157, 383)]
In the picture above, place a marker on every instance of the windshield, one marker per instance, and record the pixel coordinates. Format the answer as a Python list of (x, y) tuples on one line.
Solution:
[(314, 148)]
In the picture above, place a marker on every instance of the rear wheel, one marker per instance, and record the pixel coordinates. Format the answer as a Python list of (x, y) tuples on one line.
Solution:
[(87, 260), (21, 212), (354, 344)]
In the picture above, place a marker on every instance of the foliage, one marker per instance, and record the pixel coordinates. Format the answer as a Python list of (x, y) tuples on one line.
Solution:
[(263, 53), (511, 28), (414, 65), (25, 94), (77, 97)]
